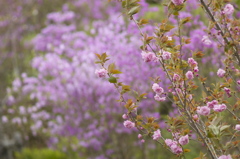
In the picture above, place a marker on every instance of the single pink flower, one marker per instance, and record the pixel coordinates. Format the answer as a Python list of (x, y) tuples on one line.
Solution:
[(225, 157), (238, 82), (128, 124), (228, 92), (237, 127), (177, 2), (228, 9), (196, 118), (196, 69), (189, 75), (212, 103), (221, 72), (184, 140), (157, 134), (219, 107), (176, 149), (158, 98), (157, 89), (166, 55), (170, 142), (124, 116), (176, 77), (102, 73), (148, 57), (192, 62), (206, 40), (139, 136), (204, 110)]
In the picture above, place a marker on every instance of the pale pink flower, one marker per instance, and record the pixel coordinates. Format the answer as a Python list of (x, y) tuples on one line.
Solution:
[(196, 118), (189, 75), (158, 98), (176, 77), (228, 91), (212, 103), (148, 57), (221, 72), (192, 62), (156, 134), (196, 69), (170, 142), (142, 141), (157, 89), (204, 110), (225, 157), (124, 116), (102, 73), (228, 9), (177, 2), (237, 127), (206, 40), (219, 107), (128, 124), (184, 140), (176, 149), (4, 119), (139, 136), (166, 55), (238, 82)]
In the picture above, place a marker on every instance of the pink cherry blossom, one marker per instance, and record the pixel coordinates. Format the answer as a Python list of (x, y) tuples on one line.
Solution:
[(170, 142), (177, 2), (176, 149), (184, 140), (196, 118), (139, 136), (101, 73), (192, 62), (166, 55), (206, 40), (189, 75), (238, 82), (157, 89), (212, 103), (219, 107), (225, 157), (176, 77), (228, 9), (158, 98), (128, 124), (237, 127), (196, 69), (228, 91), (148, 57), (204, 110), (221, 72), (157, 134), (124, 116)]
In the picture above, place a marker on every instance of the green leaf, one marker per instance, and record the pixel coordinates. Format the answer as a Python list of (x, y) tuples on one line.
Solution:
[(224, 127), (124, 4), (185, 20), (134, 10), (111, 67), (112, 79), (214, 129), (115, 72)]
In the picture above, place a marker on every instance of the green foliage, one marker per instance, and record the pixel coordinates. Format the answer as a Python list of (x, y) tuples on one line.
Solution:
[(42, 154)]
